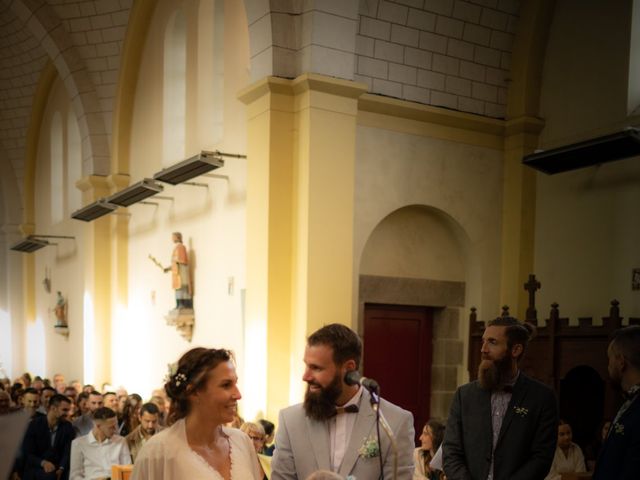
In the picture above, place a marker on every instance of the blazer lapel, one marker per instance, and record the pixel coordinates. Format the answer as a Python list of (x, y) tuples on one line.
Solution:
[(319, 438), (361, 430), (519, 392)]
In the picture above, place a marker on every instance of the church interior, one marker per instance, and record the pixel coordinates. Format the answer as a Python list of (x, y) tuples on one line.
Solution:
[(362, 164)]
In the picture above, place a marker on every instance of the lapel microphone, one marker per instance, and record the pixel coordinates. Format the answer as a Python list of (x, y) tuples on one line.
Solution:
[(353, 377)]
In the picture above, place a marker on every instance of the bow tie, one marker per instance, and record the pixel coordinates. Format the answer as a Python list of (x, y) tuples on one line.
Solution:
[(347, 409)]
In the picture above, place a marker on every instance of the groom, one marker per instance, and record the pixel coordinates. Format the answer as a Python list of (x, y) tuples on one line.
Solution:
[(335, 428)]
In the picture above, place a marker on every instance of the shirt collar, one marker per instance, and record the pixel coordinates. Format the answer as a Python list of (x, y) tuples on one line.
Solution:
[(355, 400), (92, 439)]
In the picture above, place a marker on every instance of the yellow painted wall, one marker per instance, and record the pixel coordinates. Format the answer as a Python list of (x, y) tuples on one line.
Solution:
[(586, 221)]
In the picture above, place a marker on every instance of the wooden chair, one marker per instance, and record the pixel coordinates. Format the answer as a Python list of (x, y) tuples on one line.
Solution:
[(121, 472)]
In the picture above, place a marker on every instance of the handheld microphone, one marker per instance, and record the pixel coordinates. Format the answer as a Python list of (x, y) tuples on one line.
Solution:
[(353, 377)]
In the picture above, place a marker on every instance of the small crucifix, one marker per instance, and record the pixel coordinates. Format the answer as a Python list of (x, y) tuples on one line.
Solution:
[(532, 286)]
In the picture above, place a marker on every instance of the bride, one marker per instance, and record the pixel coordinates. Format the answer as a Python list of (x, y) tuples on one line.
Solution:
[(204, 394)]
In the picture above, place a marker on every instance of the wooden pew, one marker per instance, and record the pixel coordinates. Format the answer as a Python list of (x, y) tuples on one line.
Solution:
[(121, 472)]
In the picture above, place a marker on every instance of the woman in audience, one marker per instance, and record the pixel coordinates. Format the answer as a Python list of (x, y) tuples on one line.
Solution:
[(129, 420), (269, 433), (204, 396), (256, 434), (431, 439), (568, 457)]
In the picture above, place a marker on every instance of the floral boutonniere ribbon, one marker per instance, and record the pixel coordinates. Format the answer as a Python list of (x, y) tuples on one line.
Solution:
[(521, 411), (369, 448), (618, 428)]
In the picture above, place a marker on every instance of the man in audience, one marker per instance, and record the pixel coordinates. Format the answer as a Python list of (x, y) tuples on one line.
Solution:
[(619, 457), (504, 425), (47, 443), (30, 401), (149, 415), (269, 429), (336, 424), (71, 392), (110, 400), (45, 396), (83, 403), (161, 404), (84, 423), (93, 454), (59, 383)]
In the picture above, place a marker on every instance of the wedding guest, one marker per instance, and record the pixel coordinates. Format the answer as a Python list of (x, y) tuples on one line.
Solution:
[(204, 396), (430, 439), (568, 457)]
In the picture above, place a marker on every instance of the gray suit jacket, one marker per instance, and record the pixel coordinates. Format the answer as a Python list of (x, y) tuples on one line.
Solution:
[(527, 439), (303, 445)]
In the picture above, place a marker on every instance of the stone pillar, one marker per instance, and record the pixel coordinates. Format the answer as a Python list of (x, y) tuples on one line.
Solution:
[(300, 194), (96, 252), (12, 304)]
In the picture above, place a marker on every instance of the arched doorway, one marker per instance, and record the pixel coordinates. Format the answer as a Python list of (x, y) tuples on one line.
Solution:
[(412, 287)]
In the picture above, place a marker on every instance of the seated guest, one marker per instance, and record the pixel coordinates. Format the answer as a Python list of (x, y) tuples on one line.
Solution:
[(256, 435), (159, 402), (59, 383), (30, 402), (82, 404), (149, 415), (110, 400), (568, 457), (430, 439), (45, 395), (84, 423), (269, 431), (131, 411), (47, 443), (93, 455)]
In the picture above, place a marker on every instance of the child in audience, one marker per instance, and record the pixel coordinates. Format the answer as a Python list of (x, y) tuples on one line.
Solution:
[(568, 457)]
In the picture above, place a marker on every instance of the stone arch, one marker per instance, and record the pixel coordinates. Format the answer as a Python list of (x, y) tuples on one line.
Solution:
[(423, 215), (45, 25), (422, 285)]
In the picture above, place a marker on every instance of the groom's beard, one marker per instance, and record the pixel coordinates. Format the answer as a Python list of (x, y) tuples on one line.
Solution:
[(494, 374), (321, 405)]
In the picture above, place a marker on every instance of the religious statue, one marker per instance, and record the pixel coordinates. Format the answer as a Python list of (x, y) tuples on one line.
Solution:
[(180, 274), (60, 310), (182, 316)]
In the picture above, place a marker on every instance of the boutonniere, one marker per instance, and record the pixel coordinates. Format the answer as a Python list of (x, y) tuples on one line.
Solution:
[(618, 428), (369, 448), (522, 411)]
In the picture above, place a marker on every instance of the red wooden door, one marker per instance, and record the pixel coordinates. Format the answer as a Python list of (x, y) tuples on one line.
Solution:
[(398, 354)]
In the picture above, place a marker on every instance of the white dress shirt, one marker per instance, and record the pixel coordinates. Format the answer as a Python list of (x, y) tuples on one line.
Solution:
[(91, 459), (340, 428)]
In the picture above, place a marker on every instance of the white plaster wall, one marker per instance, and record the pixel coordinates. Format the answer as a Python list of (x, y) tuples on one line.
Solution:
[(463, 182), (414, 242), (587, 229), (47, 352), (212, 219)]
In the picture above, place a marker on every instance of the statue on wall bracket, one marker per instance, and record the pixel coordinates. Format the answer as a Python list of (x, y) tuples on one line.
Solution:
[(182, 316), (60, 311)]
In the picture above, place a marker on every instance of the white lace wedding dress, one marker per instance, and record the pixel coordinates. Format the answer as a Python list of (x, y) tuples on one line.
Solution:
[(167, 456)]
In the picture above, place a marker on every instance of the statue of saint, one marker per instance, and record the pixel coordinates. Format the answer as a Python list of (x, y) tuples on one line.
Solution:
[(60, 311), (180, 275)]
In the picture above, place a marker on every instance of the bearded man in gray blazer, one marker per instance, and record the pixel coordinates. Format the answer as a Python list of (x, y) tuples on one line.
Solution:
[(335, 428), (504, 425)]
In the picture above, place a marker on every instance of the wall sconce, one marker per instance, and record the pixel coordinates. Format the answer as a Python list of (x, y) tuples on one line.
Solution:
[(191, 167), (35, 242), (586, 154), (94, 210), (135, 193)]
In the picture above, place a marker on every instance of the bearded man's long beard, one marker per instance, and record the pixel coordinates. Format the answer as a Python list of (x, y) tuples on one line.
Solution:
[(493, 375), (321, 405)]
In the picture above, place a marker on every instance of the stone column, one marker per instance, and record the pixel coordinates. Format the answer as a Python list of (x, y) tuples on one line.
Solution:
[(96, 252), (300, 194)]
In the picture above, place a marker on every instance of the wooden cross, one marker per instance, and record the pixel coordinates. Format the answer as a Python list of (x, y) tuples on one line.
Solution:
[(532, 286)]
